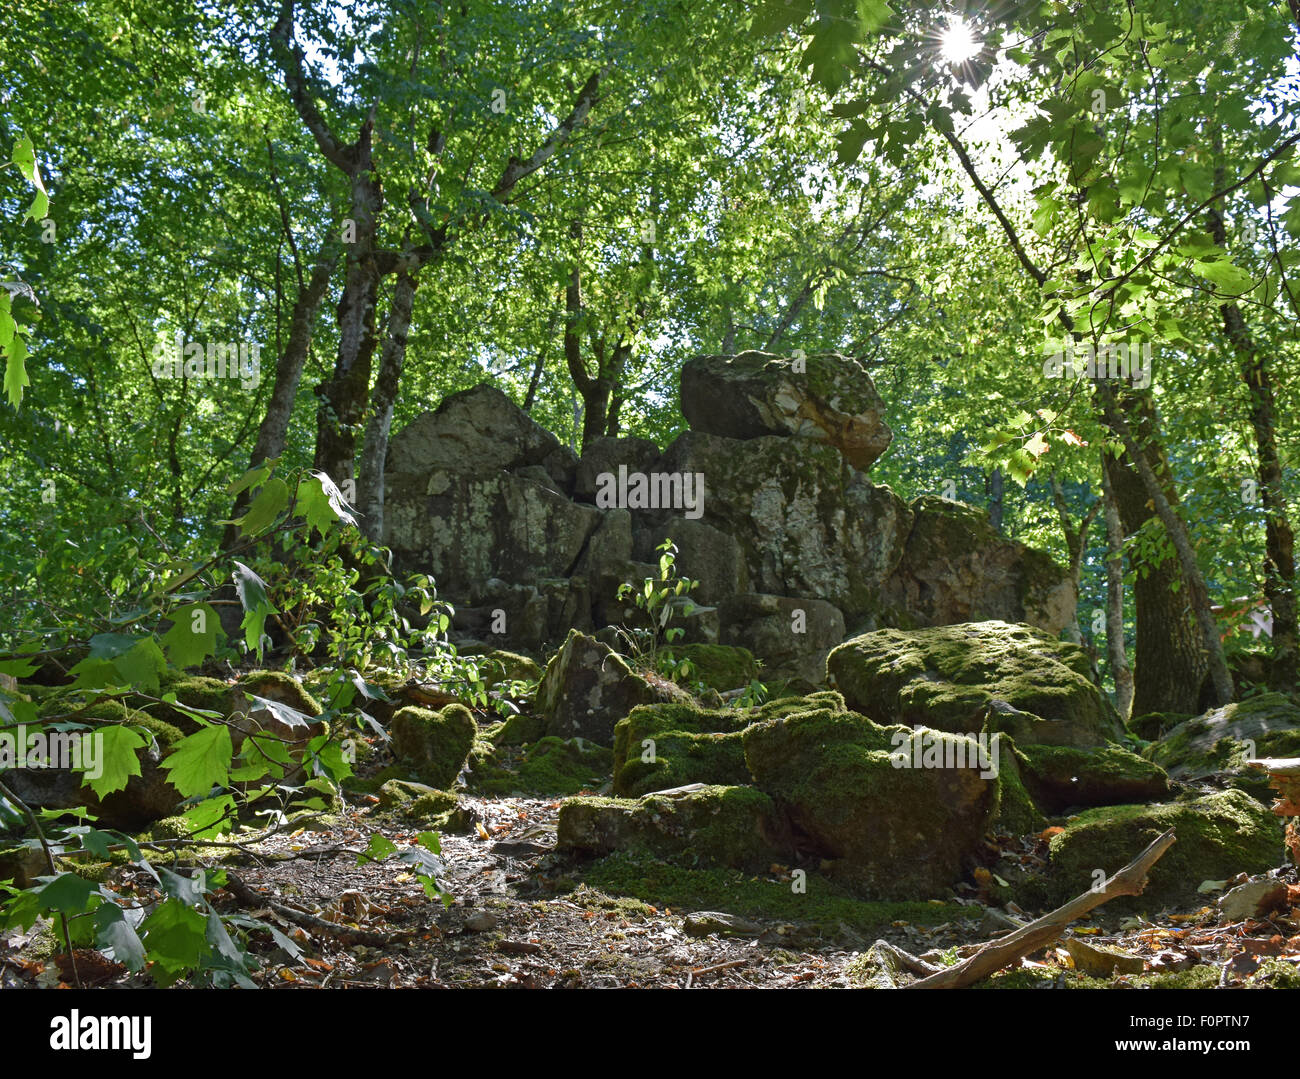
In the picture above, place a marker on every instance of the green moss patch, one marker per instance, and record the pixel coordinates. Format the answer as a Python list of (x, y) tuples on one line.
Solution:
[(1062, 777), (551, 766), (1218, 836), (824, 904)]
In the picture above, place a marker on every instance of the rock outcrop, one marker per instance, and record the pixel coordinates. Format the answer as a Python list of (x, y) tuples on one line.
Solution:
[(765, 498)]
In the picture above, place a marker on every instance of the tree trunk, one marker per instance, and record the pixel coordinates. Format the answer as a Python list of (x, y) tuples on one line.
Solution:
[(1076, 544), (1171, 659), (1279, 538), (996, 504), (343, 396), (274, 431), (1120, 670), (370, 482)]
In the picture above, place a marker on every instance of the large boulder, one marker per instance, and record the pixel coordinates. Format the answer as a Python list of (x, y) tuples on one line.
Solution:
[(670, 745), (960, 678), (588, 688), (806, 524), (791, 636), (464, 529), (1218, 743), (1065, 777), (478, 431), (604, 455), (956, 568), (890, 831), (705, 826), (831, 400), (434, 745), (1218, 836)]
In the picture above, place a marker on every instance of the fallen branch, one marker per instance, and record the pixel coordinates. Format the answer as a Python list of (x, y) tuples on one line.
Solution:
[(995, 955), (252, 898)]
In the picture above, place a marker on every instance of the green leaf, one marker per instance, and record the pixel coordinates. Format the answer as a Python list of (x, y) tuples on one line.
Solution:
[(142, 666), (193, 636), (323, 504), (67, 894), (251, 478), (176, 937), (119, 761), (377, 850), (16, 379), (117, 938), (270, 502), (200, 761)]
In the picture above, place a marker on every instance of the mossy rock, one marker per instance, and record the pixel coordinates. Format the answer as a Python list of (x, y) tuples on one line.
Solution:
[(1215, 744), (1017, 813), (277, 686), (691, 745), (891, 831), (425, 805), (1064, 777), (434, 745), (1218, 836), (551, 766), (198, 691), (947, 677), (1154, 725), (718, 666), (707, 826), (792, 704), (520, 729), (499, 666)]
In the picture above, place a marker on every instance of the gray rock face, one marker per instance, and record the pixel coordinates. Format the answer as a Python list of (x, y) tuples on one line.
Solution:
[(956, 568), (791, 636), (500, 514), (604, 455), (831, 401), (805, 523), (479, 431), (464, 529)]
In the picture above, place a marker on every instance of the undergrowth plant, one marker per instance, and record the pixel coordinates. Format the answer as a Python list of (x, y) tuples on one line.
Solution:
[(120, 686)]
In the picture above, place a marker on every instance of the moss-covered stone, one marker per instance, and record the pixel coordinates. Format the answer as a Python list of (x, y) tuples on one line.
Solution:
[(499, 666), (1219, 742), (1064, 777), (278, 686), (434, 745), (946, 677), (1153, 725), (1218, 836), (1016, 812), (709, 826), (588, 688), (207, 694), (718, 666), (551, 766), (850, 787), (424, 805), (520, 729), (690, 745), (823, 903)]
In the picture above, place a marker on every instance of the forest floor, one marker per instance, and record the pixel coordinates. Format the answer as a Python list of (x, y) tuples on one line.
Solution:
[(524, 918)]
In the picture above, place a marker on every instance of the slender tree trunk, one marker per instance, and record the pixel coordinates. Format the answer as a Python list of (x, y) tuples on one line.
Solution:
[(1076, 544), (1118, 653), (370, 482), (996, 504), (343, 396), (274, 431), (1191, 594), (1279, 537)]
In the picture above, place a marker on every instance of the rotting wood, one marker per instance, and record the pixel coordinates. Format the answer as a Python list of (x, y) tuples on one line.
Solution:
[(1131, 880)]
